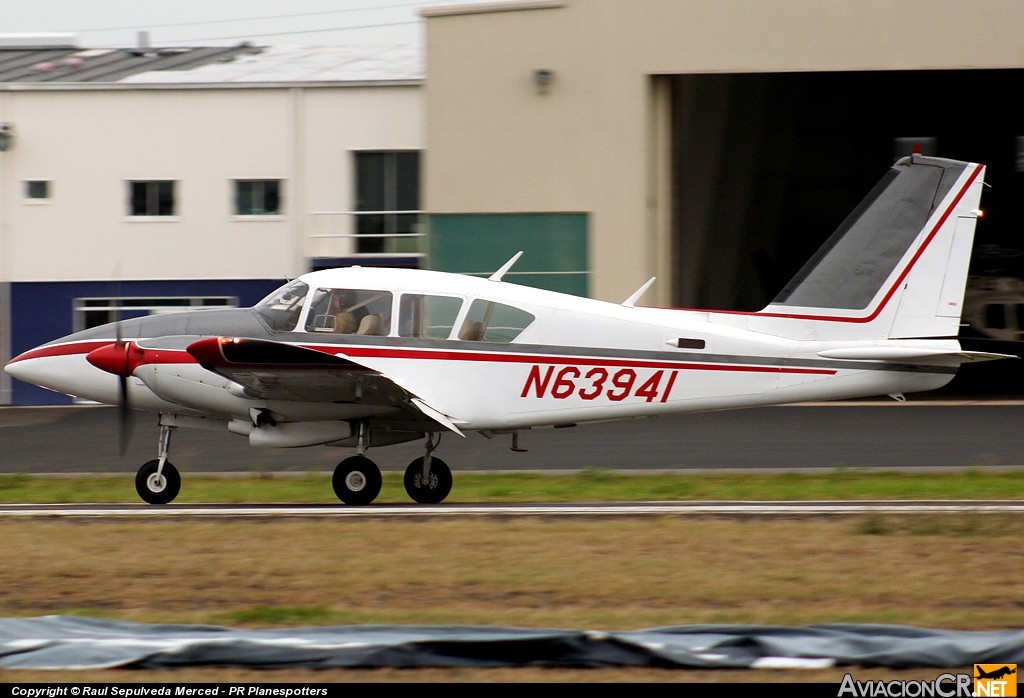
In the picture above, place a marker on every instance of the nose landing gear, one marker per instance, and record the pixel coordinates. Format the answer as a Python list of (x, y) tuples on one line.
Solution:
[(158, 481)]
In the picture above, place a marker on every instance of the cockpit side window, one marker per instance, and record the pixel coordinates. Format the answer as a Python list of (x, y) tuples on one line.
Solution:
[(432, 317), (281, 309), (350, 311), (488, 321)]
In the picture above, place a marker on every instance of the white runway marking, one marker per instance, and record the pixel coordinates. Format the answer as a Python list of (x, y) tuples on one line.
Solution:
[(733, 508)]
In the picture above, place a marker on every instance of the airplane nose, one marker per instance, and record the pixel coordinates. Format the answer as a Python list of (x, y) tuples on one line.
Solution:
[(34, 366), (61, 367), (19, 369)]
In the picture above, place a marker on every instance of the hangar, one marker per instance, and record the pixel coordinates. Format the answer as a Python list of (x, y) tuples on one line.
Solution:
[(714, 145)]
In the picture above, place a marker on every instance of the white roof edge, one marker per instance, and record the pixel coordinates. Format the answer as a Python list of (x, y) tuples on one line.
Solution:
[(301, 65), (488, 7), (113, 86), (39, 40)]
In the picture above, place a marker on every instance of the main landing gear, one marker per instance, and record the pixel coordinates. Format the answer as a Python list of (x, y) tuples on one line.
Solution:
[(357, 479), (428, 480), (158, 481)]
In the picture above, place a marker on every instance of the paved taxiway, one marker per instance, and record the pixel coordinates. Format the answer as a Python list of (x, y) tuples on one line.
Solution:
[(926, 434)]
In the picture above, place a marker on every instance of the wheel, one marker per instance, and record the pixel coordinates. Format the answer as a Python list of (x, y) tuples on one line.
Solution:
[(437, 486), (157, 489), (357, 480)]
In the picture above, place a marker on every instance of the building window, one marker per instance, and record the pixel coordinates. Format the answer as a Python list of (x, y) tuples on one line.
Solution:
[(257, 197), (92, 312), (37, 189), (387, 200), (151, 198)]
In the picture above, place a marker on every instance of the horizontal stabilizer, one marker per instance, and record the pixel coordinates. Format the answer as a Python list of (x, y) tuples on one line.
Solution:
[(969, 357), (908, 354)]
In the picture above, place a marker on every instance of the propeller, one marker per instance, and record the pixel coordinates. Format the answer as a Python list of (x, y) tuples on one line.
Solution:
[(119, 359), (124, 417)]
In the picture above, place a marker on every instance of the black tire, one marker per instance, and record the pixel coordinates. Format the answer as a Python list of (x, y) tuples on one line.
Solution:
[(357, 480), (436, 488), (155, 490)]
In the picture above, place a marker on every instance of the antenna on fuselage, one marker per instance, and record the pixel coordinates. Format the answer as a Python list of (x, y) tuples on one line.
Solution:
[(496, 276), (629, 302)]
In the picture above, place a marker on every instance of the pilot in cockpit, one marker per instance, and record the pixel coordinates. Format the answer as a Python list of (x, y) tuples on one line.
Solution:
[(345, 320)]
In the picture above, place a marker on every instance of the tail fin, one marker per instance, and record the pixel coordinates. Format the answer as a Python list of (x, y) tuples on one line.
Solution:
[(896, 268)]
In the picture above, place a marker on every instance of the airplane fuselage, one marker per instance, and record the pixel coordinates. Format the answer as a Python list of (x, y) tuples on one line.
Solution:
[(560, 369)]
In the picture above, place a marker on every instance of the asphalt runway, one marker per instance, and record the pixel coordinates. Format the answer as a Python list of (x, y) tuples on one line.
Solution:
[(84, 439)]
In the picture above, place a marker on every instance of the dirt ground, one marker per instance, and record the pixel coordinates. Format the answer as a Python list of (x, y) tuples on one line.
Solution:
[(948, 571)]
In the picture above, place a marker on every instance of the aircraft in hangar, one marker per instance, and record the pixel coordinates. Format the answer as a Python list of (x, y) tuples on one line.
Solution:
[(365, 357)]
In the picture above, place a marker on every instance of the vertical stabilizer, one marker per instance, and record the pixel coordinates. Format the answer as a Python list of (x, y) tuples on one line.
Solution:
[(896, 268)]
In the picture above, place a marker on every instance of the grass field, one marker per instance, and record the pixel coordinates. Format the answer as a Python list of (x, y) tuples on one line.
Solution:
[(952, 571)]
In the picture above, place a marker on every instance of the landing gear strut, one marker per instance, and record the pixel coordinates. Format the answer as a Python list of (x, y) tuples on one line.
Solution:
[(158, 481), (428, 480)]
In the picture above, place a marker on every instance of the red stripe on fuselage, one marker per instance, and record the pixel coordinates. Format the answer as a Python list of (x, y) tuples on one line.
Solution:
[(152, 356), (70, 349), (171, 356), (515, 358)]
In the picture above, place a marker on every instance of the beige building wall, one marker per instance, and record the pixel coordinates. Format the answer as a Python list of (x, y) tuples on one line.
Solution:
[(90, 141), (596, 139)]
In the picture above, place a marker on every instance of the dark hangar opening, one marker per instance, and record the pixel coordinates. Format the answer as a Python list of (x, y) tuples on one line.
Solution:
[(765, 166)]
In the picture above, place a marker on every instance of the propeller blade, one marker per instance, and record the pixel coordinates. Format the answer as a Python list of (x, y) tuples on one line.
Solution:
[(124, 417), (124, 432)]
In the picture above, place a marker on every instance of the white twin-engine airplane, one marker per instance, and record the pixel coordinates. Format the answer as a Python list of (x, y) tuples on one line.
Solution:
[(367, 357)]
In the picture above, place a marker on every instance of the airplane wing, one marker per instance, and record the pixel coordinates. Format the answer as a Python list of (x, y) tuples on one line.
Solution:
[(277, 371)]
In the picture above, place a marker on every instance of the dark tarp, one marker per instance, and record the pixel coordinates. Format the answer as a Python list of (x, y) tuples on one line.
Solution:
[(63, 642)]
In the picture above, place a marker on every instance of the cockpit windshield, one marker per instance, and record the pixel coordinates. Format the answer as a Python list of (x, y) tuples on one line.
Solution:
[(281, 309)]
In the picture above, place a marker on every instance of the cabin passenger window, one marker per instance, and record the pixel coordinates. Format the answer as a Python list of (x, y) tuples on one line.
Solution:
[(493, 322), (280, 310), (432, 317), (350, 311)]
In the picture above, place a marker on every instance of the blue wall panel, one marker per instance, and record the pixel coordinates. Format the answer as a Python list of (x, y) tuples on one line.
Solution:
[(44, 311)]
